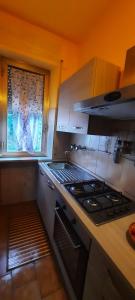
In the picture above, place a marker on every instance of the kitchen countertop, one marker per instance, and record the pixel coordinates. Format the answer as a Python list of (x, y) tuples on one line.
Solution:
[(111, 236)]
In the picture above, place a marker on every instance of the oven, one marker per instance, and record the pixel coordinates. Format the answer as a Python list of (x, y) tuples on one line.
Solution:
[(73, 243)]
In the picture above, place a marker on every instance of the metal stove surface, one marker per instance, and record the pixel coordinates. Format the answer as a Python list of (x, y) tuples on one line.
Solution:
[(101, 203)]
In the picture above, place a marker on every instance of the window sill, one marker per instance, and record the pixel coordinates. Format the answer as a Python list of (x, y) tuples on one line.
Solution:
[(23, 158)]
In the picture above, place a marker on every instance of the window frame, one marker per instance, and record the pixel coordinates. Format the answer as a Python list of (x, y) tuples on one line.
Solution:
[(4, 63)]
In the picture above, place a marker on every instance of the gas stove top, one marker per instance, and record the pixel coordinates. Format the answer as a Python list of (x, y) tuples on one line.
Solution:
[(101, 203)]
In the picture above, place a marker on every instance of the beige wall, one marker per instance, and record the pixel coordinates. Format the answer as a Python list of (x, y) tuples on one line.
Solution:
[(121, 176), (111, 34), (20, 39)]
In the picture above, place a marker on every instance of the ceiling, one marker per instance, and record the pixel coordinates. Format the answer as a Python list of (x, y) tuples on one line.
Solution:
[(71, 19)]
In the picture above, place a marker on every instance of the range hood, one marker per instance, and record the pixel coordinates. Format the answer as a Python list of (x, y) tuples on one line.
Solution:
[(119, 104)]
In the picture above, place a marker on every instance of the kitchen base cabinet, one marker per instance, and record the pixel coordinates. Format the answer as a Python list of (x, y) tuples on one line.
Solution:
[(103, 280), (46, 200)]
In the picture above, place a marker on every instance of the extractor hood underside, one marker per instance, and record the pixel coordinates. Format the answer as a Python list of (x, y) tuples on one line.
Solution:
[(120, 111), (121, 107)]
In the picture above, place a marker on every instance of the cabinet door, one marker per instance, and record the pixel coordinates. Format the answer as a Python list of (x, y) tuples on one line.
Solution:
[(115, 284), (81, 87), (95, 275), (63, 109), (46, 201), (81, 84), (95, 78), (78, 122), (103, 280), (107, 77), (76, 88), (109, 291)]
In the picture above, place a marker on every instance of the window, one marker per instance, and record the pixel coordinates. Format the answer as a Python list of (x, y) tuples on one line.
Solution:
[(24, 102)]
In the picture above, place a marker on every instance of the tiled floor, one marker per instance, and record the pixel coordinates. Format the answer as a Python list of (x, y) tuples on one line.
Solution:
[(34, 281)]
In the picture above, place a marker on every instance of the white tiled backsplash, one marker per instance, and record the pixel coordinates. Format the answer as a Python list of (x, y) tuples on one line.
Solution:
[(99, 160)]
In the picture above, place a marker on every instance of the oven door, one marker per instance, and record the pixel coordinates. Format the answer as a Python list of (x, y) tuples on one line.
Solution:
[(72, 251)]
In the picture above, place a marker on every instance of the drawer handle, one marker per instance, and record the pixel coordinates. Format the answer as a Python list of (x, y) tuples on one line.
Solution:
[(41, 173), (50, 186)]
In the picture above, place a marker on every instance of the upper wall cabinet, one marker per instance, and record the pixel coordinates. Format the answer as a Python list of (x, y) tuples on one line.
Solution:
[(95, 78), (129, 70)]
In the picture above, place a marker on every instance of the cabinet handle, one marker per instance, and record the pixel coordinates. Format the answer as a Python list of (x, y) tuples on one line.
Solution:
[(41, 173), (50, 186), (78, 127)]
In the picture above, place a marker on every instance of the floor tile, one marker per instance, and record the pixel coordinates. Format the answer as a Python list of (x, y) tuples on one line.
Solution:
[(6, 287), (24, 274), (29, 291), (48, 276), (58, 295)]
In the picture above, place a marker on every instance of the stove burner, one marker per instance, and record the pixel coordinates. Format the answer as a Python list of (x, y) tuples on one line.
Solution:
[(114, 198), (91, 205), (97, 185), (75, 190), (87, 188)]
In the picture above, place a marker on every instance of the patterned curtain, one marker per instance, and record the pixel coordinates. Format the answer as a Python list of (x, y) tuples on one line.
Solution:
[(25, 104)]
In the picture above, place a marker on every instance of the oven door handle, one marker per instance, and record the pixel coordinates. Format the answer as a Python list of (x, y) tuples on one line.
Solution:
[(74, 245)]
